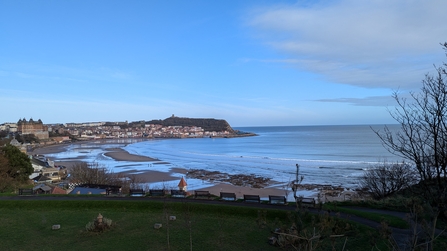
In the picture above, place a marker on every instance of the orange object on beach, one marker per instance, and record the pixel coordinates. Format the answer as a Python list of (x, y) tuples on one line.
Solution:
[(182, 184)]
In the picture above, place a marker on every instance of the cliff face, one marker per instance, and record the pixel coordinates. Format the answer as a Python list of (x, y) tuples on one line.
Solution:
[(206, 124)]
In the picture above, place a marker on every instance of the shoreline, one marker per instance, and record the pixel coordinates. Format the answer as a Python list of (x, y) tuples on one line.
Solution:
[(154, 178)]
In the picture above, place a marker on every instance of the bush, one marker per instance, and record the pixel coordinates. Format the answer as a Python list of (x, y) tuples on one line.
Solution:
[(386, 179), (99, 224)]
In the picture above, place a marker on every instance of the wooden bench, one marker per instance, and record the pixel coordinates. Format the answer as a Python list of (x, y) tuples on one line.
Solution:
[(201, 194), (113, 190), (136, 192), (26, 191), (157, 192), (227, 196), (252, 198), (178, 194), (309, 202), (277, 200)]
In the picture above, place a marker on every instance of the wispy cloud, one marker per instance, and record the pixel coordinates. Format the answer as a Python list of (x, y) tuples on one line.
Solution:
[(49, 73), (363, 43), (385, 101)]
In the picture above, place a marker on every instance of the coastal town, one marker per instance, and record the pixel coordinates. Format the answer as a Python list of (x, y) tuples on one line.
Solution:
[(29, 135), (48, 174), (35, 132)]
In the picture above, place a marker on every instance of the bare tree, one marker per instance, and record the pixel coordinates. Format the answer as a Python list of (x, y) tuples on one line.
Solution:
[(135, 182), (423, 135), (385, 179), (422, 139), (93, 173)]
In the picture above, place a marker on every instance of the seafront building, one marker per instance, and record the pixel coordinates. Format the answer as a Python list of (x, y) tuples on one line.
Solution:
[(10, 127), (33, 127), (146, 131), (104, 130)]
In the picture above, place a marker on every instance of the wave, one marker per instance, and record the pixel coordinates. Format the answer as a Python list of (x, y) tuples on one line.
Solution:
[(316, 163), (275, 154), (347, 168)]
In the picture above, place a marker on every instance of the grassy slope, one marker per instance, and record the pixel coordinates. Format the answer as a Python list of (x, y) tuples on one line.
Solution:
[(26, 225)]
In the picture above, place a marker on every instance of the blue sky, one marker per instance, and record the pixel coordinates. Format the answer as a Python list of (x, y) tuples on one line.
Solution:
[(253, 63)]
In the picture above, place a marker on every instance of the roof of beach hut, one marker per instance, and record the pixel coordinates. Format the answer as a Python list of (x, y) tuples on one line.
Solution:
[(182, 183)]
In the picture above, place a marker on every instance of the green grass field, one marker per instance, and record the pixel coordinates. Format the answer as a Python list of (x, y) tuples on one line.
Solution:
[(27, 225)]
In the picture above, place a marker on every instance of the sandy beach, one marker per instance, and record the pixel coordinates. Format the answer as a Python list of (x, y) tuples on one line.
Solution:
[(119, 154), (215, 187)]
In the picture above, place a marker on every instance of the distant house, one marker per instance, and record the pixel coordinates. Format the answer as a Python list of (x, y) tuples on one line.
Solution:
[(15, 143), (34, 175), (20, 146), (42, 189), (58, 190), (45, 167), (52, 173), (48, 189), (41, 160), (42, 179), (60, 139), (46, 175)]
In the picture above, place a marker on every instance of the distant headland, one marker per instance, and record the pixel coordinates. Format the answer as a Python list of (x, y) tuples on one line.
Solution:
[(207, 124)]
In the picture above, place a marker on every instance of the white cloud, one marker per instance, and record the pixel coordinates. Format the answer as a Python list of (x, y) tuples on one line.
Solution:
[(385, 101), (363, 43)]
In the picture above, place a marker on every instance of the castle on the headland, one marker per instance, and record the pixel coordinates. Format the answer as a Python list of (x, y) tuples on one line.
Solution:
[(33, 127)]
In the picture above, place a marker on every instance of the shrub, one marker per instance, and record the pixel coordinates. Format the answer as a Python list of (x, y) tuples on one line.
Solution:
[(99, 224), (386, 179)]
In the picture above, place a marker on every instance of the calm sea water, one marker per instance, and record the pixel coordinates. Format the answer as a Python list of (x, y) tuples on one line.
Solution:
[(334, 155)]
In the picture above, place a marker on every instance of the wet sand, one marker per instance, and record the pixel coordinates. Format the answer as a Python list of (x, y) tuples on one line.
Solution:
[(119, 154)]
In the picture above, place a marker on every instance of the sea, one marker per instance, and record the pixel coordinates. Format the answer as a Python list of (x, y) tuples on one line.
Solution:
[(327, 155)]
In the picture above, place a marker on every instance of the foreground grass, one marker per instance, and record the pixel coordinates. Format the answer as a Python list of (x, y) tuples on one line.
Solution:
[(26, 225)]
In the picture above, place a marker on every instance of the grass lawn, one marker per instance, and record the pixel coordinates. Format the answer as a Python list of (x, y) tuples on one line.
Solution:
[(26, 225), (392, 221)]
